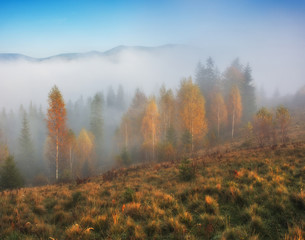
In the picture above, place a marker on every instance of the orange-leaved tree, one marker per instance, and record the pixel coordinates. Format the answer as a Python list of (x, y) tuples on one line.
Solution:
[(56, 121), (150, 125), (192, 109), (235, 107)]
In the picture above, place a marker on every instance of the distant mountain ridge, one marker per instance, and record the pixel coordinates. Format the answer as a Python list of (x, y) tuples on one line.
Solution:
[(73, 56)]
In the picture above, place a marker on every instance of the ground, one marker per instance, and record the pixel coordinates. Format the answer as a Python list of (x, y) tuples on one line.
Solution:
[(255, 193)]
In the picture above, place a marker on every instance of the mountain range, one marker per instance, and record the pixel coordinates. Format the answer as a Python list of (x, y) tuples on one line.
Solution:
[(98, 54)]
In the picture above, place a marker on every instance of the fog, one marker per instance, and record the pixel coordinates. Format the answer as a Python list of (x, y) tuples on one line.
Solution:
[(23, 81)]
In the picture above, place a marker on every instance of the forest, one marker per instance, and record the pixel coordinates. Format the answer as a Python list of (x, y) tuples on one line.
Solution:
[(76, 140)]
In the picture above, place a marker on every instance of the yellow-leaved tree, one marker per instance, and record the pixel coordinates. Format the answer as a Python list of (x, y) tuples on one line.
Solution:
[(167, 105), (85, 146), (150, 125), (218, 111), (192, 110), (235, 107)]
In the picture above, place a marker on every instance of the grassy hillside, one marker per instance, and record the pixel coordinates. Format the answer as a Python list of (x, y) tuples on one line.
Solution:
[(242, 194)]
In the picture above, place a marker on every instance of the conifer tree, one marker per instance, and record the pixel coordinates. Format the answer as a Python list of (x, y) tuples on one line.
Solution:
[(26, 148), (96, 123), (249, 99), (120, 98)]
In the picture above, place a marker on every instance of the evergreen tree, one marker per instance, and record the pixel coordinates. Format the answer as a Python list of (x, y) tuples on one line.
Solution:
[(171, 136), (10, 176), (111, 98), (96, 123), (26, 149), (248, 95), (120, 98), (207, 77)]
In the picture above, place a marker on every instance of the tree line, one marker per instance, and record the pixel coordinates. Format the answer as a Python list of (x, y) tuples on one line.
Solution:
[(212, 109)]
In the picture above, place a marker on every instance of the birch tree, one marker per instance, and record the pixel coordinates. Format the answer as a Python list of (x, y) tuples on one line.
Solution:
[(56, 121)]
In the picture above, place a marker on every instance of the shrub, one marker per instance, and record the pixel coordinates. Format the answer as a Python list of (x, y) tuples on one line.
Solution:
[(128, 195), (101, 223), (49, 203), (10, 176), (40, 180), (166, 152), (76, 197), (298, 200), (211, 205), (186, 171), (234, 233), (208, 225), (262, 126)]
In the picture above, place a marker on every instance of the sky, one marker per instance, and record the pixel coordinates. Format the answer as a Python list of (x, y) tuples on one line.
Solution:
[(267, 34), (44, 28)]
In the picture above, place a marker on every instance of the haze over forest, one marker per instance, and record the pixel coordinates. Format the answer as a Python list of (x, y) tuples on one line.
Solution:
[(161, 119)]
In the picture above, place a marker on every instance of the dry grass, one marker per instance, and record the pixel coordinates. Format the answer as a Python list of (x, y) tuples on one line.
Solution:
[(244, 194)]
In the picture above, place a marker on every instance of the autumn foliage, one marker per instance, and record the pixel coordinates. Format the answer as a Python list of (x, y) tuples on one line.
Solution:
[(192, 109), (151, 125), (56, 121)]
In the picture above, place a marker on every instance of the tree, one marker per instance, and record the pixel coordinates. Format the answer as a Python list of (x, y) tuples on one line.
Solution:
[(96, 123), (218, 111), (71, 142), (150, 125), (207, 77), (85, 145), (26, 148), (283, 120), (111, 98), (120, 98), (192, 109), (130, 132), (249, 99), (10, 176), (262, 126), (56, 121), (235, 107), (4, 152), (167, 111)]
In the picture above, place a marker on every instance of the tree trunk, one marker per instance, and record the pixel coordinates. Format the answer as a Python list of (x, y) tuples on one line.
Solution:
[(126, 137), (153, 139), (71, 159), (57, 153), (218, 121), (233, 123), (192, 145)]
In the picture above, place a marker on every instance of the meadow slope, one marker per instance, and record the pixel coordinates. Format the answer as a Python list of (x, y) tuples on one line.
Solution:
[(237, 194)]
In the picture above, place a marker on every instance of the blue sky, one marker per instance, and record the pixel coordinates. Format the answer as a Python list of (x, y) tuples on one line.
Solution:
[(43, 28)]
